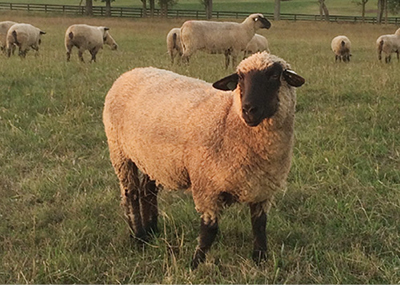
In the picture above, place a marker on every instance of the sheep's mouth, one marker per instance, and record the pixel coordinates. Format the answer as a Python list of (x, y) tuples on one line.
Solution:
[(252, 121)]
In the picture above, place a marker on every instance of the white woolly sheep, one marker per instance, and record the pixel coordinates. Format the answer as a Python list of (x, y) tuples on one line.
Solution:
[(174, 45), (257, 43), (86, 37), (341, 48), (229, 38), (388, 44), (227, 147), (4, 27), (25, 37)]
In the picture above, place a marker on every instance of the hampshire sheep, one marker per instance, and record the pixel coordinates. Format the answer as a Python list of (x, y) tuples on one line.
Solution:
[(227, 146), (228, 38), (25, 37), (4, 27), (388, 44), (257, 43), (341, 48), (174, 46), (86, 37)]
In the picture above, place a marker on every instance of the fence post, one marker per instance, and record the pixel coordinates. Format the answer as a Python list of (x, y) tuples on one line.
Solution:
[(28, 7)]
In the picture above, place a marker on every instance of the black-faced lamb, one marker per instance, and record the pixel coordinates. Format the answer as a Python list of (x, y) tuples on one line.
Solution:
[(229, 38), (4, 27), (388, 44), (25, 37), (341, 46), (227, 146), (86, 37)]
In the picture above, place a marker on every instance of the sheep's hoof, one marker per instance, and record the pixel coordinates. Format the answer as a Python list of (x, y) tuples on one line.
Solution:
[(259, 256)]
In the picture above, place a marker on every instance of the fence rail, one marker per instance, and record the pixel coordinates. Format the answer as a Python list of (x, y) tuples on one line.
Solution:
[(127, 12)]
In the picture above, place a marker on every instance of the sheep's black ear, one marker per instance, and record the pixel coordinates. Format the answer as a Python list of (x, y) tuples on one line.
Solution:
[(106, 28), (293, 78), (42, 32), (227, 83)]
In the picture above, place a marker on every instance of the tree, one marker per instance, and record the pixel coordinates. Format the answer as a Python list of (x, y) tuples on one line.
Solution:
[(381, 9), (208, 6), (108, 7), (164, 4), (277, 10), (362, 3), (89, 8), (152, 6), (323, 10), (144, 7)]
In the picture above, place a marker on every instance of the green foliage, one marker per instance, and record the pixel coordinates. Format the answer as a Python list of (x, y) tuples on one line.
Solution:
[(394, 6), (60, 220)]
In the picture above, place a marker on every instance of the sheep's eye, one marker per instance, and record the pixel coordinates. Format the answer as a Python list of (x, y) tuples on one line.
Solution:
[(275, 76)]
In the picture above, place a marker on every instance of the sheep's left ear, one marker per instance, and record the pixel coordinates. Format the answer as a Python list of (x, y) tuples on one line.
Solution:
[(42, 32), (106, 28), (227, 83), (292, 78)]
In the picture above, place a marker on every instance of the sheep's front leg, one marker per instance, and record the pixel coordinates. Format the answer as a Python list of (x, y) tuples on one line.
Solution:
[(208, 232), (259, 223)]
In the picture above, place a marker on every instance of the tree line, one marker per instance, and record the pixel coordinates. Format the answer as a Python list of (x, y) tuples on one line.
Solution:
[(383, 7)]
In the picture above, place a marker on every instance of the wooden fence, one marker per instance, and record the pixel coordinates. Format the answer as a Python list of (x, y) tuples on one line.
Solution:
[(128, 12)]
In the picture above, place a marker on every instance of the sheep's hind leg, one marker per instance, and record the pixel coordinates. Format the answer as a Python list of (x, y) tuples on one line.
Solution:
[(129, 180), (208, 232), (148, 205), (259, 223)]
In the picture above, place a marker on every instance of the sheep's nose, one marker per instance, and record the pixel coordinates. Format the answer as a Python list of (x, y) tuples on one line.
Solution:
[(249, 110)]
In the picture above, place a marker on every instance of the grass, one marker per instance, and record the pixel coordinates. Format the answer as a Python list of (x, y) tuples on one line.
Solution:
[(60, 220), (337, 7)]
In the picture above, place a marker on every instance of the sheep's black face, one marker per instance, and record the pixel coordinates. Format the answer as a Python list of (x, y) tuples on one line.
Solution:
[(259, 94)]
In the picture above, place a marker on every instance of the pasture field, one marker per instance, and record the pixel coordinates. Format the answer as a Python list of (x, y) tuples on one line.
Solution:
[(338, 7), (60, 219)]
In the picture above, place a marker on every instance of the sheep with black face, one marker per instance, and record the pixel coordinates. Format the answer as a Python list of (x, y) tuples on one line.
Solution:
[(233, 145)]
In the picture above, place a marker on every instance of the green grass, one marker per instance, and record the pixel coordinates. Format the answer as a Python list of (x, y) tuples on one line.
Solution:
[(337, 7), (60, 219)]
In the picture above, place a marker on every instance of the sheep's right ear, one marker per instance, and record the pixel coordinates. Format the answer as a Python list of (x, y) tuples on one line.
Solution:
[(293, 78), (106, 28), (227, 83), (42, 32)]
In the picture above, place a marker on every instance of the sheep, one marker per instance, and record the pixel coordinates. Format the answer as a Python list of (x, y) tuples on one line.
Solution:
[(25, 36), (4, 27), (174, 43), (86, 37), (388, 44), (227, 146), (229, 38), (257, 43), (341, 48)]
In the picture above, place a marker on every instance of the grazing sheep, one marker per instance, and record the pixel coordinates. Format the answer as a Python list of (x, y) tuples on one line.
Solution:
[(341, 48), (174, 44), (24, 36), (229, 38), (4, 27), (226, 146), (388, 44), (86, 37), (258, 43)]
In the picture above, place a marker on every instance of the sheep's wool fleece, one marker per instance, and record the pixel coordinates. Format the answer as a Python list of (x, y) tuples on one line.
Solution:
[(185, 134), (337, 47)]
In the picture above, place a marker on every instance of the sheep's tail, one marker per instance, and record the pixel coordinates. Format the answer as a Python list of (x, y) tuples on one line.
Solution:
[(380, 47), (71, 35), (343, 43), (14, 34), (174, 37)]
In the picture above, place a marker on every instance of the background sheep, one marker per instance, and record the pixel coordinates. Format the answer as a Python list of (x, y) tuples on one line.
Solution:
[(225, 146), (341, 48), (24, 36), (174, 45), (257, 43), (4, 26), (388, 44), (86, 37), (229, 38)]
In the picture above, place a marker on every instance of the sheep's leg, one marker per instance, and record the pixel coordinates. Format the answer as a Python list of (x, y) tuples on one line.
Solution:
[(93, 52), (259, 223), (80, 55), (128, 175), (226, 59), (208, 232), (398, 59), (148, 205)]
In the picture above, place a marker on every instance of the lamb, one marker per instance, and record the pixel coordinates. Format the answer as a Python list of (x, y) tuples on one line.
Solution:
[(341, 48), (4, 27), (226, 146), (174, 44), (25, 36), (388, 44), (86, 37), (257, 43), (229, 38)]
